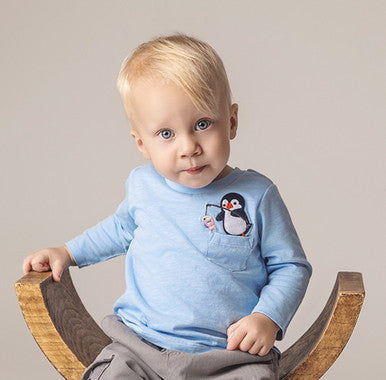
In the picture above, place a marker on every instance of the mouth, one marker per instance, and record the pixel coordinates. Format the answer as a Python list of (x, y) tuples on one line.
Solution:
[(195, 170)]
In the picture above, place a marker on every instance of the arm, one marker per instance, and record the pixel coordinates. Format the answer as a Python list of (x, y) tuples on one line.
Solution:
[(109, 238), (288, 275), (287, 267)]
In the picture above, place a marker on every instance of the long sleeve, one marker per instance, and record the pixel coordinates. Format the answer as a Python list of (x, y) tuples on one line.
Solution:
[(109, 238), (288, 269)]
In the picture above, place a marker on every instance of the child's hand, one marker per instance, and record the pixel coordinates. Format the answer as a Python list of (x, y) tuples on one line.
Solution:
[(56, 259), (255, 333)]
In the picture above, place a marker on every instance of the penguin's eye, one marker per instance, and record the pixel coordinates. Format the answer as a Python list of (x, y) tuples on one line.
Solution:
[(166, 134), (202, 125), (224, 203), (235, 202)]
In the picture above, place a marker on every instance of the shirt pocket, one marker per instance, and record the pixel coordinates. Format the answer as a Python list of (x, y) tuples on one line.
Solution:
[(229, 251)]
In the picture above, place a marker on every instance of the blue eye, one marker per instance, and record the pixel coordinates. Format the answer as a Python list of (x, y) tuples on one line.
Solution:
[(166, 134), (202, 125)]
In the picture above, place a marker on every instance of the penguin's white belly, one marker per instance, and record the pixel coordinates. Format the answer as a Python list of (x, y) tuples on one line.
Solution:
[(234, 225)]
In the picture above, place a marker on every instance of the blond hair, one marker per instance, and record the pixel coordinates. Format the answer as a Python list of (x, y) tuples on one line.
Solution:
[(186, 61)]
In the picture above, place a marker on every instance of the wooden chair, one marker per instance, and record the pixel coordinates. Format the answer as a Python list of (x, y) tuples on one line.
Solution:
[(71, 339)]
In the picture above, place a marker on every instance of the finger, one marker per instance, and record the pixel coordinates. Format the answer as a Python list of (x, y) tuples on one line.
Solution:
[(255, 349), (247, 343), (231, 329), (27, 265), (235, 338), (264, 351), (40, 267), (39, 264)]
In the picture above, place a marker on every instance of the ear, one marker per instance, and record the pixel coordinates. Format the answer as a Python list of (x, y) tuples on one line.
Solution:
[(140, 145), (233, 118)]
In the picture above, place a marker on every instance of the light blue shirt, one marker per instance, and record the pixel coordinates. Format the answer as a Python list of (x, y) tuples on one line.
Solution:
[(188, 280)]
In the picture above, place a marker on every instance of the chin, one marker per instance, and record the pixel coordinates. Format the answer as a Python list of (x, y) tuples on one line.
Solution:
[(198, 186), (193, 184), (201, 180)]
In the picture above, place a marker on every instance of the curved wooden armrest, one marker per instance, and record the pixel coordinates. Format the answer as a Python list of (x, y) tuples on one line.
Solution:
[(71, 339), (60, 324), (314, 353)]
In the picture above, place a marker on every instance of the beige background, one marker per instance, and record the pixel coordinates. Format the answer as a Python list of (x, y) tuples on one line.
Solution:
[(309, 77)]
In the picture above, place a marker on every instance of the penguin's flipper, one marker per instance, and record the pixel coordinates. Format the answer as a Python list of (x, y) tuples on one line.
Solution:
[(220, 216)]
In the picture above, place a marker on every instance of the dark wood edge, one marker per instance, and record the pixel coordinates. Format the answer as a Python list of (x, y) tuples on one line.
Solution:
[(312, 354), (77, 328), (70, 319)]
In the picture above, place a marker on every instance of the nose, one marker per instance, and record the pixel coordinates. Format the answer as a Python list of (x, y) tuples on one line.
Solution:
[(189, 147)]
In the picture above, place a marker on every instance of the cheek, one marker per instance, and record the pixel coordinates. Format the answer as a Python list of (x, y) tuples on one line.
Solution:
[(162, 159), (154, 149), (220, 146)]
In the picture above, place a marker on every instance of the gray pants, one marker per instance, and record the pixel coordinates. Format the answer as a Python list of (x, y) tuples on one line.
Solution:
[(132, 357)]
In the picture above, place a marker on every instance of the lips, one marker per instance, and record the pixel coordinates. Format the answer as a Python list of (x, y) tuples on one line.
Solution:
[(196, 170)]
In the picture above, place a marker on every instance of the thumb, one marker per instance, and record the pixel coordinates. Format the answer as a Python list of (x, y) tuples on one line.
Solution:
[(57, 271)]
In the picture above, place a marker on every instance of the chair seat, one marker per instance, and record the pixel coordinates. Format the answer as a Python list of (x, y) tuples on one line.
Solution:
[(71, 339)]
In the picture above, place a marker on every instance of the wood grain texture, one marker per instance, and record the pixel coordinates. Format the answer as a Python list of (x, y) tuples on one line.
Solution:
[(71, 339), (311, 356), (60, 324)]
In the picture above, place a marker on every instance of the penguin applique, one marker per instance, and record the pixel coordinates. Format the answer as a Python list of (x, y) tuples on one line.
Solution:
[(234, 218)]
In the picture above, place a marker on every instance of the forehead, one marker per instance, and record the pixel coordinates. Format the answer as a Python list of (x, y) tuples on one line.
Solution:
[(154, 92), (151, 101), (157, 100)]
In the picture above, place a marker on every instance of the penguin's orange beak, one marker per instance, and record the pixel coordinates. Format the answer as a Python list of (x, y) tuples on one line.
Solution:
[(229, 205)]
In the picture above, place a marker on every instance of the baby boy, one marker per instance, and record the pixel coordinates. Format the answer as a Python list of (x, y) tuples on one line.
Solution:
[(214, 267)]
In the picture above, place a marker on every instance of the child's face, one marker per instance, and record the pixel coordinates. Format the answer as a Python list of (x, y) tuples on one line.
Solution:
[(185, 145)]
